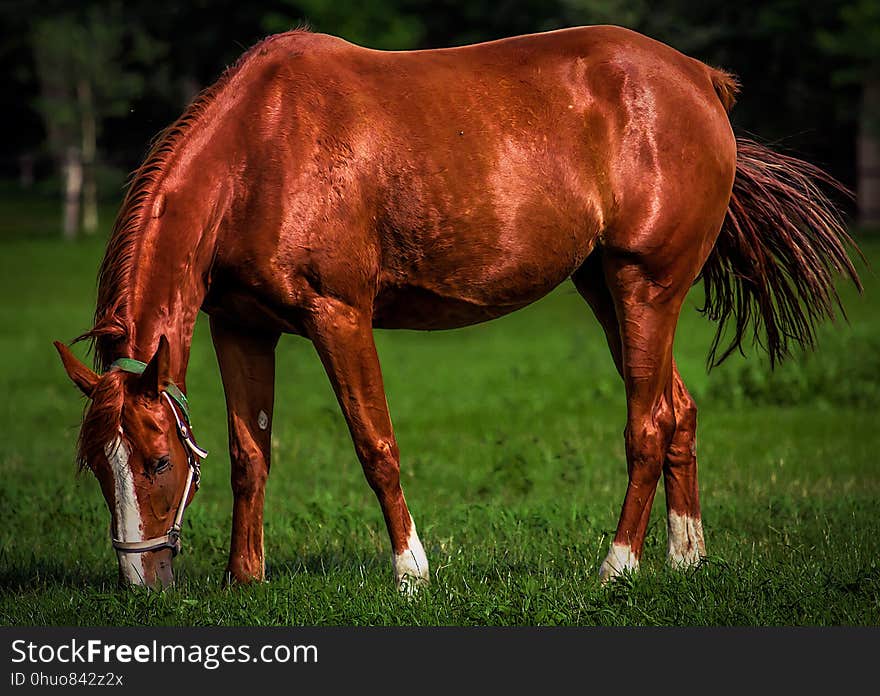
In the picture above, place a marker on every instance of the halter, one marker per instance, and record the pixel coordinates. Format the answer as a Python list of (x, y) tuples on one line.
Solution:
[(176, 399)]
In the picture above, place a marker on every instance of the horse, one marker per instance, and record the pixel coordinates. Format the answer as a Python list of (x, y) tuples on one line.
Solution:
[(324, 189)]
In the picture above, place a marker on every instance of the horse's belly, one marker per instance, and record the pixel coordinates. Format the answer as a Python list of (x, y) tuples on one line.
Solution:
[(415, 307), (465, 287), (478, 244)]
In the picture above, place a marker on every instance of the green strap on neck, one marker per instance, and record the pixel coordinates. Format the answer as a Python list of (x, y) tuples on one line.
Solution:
[(136, 367)]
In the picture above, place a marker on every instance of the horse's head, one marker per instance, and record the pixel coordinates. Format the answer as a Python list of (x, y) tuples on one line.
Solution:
[(135, 438)]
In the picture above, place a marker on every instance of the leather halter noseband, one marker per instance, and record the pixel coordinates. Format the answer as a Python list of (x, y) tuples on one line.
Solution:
[(176, 399)]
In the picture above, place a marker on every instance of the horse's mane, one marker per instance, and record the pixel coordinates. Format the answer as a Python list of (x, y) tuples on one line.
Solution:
[(113, 318)]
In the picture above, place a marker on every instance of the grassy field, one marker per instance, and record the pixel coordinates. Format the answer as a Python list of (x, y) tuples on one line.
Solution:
[(513, 465)]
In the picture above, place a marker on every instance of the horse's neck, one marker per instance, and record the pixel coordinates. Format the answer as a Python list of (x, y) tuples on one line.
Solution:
[(169, 287), (177, 246)]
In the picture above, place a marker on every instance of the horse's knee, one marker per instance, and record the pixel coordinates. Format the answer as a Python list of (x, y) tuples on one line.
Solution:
[(380, 459), (647, 439), (248, 479), (250, 464)]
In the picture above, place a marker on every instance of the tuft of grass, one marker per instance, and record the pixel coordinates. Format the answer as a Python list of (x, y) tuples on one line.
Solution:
[(512, 461)]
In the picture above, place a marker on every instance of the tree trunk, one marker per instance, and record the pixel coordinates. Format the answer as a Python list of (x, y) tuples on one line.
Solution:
[(869, 153), (73, 181), (89, 156)]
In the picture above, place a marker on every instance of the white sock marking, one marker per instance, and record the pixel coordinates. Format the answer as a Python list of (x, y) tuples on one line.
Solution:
[(129, 526), (620, 559), (685, 546), (410, 566)]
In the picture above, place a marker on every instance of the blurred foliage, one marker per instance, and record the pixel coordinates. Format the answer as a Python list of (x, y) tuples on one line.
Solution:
[(97, 47), (94, 48), (801, 64), (384, 25), (843, 373), (858, 42), (857, 38)]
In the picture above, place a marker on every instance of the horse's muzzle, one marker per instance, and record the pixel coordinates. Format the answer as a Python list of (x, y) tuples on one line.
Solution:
[(152, 569)]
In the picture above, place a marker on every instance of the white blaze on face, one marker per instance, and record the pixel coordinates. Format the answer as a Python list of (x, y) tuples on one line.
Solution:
[(411, 565), (686, 545), (620, 559), (127, 515)]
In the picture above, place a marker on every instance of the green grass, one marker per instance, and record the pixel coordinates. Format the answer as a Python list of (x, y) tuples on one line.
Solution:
[(513, 465)]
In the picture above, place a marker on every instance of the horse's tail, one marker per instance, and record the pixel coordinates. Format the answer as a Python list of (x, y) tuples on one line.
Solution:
[(780, 247)]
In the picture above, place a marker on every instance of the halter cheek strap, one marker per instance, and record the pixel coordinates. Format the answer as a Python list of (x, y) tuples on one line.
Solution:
[(175, 399)]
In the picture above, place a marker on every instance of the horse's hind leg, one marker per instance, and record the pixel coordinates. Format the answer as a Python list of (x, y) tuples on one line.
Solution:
[(589, 280), (684, 523), (647, 315), (343, 337), (639, 318)]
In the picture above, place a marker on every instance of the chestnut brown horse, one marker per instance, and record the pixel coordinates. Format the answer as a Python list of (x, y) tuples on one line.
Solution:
[(324, 189)]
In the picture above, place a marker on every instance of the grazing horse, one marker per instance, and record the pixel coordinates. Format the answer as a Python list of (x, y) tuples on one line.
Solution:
[(323, 189)]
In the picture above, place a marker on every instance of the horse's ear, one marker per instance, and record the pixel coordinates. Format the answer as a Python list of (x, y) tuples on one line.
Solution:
[(81, 375), (157, 373)]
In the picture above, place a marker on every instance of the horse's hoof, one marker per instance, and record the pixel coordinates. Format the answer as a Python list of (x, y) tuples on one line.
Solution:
[(619, 561), (237, 577), (684, 560), (410, 586), (410, 566)]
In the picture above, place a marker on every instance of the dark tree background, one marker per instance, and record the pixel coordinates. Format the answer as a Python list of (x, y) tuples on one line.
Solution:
[(89, 83)]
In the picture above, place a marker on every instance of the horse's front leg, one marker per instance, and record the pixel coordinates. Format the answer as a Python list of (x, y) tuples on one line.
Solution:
[(343, 337), (247, 366)]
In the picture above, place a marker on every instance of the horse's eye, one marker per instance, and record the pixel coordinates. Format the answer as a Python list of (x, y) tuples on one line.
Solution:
[(161, 464)]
